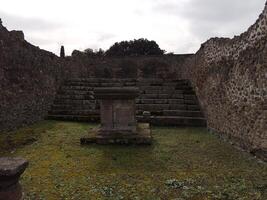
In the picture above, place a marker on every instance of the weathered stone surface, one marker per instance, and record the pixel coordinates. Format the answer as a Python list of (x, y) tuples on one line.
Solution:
[(68, 107), (10, 171), (228, 75), (230, 79), (30, 76), (12, 166), (118, 118), (117, 107), (141, 137)]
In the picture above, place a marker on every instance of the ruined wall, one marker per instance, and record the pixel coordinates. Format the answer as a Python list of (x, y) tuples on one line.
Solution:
[(30, 77), (164, 67), (230, 78), (28, 80)]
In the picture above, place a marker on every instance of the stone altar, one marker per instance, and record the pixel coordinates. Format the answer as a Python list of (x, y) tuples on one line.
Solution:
[(118, 118)]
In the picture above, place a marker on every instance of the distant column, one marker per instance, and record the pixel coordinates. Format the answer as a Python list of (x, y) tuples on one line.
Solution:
[(62, 52)]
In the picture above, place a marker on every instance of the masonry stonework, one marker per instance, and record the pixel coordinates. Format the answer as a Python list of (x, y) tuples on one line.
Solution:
[(228, 75), (230, 79), (30, 76)]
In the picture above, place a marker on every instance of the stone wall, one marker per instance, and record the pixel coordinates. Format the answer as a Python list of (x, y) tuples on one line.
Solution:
[(129, 67), (30, 76), (230, 78)]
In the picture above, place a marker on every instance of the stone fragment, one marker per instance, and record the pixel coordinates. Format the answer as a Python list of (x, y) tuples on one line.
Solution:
[(10, 172)]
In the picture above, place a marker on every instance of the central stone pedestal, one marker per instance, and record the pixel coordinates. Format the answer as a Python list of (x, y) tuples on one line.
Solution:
[(118, 118)]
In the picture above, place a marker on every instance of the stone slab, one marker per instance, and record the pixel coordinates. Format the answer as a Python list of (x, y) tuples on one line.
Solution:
[(12, 166), (141, 137)]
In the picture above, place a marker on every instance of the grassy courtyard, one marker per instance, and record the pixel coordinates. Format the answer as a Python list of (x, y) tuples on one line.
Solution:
[(182, 163)]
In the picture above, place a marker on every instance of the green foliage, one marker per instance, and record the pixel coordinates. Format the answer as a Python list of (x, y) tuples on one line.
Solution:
[(88, 53), (134, 48)]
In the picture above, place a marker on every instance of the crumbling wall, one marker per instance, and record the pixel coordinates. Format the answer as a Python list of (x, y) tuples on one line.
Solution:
[(230, 78), (129, 67), (29, 78)]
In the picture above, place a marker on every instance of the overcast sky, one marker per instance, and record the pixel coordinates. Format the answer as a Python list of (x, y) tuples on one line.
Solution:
[(178, 26)]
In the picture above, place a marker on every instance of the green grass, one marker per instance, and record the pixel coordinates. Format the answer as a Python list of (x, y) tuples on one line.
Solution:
[(182, 163)]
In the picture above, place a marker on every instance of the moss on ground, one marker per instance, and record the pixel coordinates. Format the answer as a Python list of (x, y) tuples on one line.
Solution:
[(182, 163)]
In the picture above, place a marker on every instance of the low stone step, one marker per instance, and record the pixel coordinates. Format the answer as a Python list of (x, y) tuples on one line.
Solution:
[(100, 80), (176, 83), (74, 107), (191, 108), (75, 97), (74, 102), (160, 82), (97, 84), (190, 97), (182, 113), (83, 88), (160, 101), (191, 102), (74, 118), (150, 81), (175, 121), (162, 96), (75, 92), (156, 88), (183, 87), (158, 107), (157, 113), (165, 91), (74, 112)]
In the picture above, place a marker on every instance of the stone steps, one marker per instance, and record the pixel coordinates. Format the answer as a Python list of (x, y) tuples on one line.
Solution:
[(162, 96), (75, 112), (74, 101), (167, 101), (159, 107), (185, 113), (174, 121), (99, 80), (73, 107), (75, 96), (74, 92), (171, 102), (77, 118)]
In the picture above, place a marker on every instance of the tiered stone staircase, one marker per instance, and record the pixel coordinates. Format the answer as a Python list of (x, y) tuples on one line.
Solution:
[(170, 102)]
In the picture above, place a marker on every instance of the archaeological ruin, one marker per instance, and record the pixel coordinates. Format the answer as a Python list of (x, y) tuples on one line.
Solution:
[(226, 76), (53, 109), (222, 87)]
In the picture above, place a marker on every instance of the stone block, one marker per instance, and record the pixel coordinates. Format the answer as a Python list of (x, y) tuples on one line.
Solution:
[(10, 172)]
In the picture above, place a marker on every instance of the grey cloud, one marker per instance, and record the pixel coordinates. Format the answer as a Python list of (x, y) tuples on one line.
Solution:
[(42, 41), (27, 24), (105, 36), (210, 18), (168, 8), (221, 11)]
